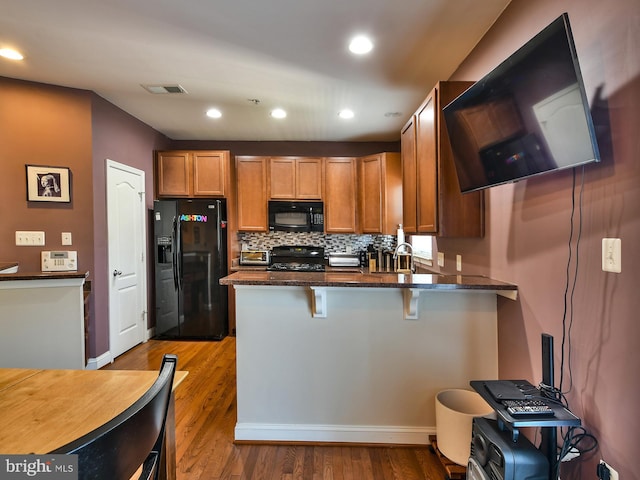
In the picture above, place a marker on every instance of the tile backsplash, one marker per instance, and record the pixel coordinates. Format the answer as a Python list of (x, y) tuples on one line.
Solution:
[(331, 243)]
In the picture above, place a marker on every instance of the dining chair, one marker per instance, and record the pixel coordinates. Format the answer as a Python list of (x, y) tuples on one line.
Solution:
[(134, 438)]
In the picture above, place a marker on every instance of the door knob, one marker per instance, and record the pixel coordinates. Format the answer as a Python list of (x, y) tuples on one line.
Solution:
[(117, 273)]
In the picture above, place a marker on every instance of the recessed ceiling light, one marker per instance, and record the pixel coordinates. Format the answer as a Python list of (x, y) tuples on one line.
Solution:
[(360, 45), (346, 113), (278, 113), (214, 113), (10, 54)]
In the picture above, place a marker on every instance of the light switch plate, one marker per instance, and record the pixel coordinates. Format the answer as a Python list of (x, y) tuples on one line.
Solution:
[(29, 238), (441, 259)]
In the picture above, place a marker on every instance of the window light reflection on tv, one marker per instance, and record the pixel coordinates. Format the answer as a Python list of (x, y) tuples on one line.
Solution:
[(528, 116)]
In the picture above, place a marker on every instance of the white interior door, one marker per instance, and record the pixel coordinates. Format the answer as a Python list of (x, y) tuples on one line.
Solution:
[(127, 258)]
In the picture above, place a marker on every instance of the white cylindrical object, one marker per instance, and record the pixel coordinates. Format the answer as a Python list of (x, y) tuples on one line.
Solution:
[(400, 234), (455, 410)]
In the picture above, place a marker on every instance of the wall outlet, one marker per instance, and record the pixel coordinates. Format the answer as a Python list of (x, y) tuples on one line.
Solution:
[(66, 238), (31, 239), (613, 475), (441, 259), (612, 255), (459, 263)]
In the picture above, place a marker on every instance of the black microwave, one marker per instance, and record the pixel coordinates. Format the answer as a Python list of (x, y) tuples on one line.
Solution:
[(296, 216)]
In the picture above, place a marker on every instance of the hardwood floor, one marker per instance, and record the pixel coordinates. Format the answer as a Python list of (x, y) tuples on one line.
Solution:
[(206, 416)]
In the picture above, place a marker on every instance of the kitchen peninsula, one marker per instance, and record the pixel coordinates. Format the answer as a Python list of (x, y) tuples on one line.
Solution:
[(42, 319), (357, 357)]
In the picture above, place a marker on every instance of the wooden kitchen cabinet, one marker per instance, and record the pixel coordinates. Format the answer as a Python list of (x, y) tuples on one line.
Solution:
[(191, 174), (251, 175), (409, 176), (380, 193), (432, 201), (295, 178), (340, 195)]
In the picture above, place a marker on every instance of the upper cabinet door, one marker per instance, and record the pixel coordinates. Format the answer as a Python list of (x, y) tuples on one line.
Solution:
[(192, 173), (409, 174), (173, 174), (295, 178), (426, 173), (309, 178), (372, 195), (209, 173), (340, 196), (380, 193), (252, 194), (282, 172)]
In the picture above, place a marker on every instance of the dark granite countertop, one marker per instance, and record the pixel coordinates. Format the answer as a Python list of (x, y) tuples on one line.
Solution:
[(42, 275), (380, 280)]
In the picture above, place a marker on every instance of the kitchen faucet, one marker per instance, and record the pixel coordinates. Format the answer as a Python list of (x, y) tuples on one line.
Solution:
[(402, 266), (403, 244)]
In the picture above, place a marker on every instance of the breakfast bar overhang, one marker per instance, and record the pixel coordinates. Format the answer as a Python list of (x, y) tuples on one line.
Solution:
[(351, 357)]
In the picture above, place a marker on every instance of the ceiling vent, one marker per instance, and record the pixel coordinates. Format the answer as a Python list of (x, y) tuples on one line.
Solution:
[(157, 89)]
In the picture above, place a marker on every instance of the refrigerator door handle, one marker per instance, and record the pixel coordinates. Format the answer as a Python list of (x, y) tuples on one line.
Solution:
[(174, 248), (219, 229), (179, 252)]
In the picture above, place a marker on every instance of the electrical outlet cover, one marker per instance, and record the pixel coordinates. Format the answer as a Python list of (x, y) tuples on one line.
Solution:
[(613, 475), (612, 255)]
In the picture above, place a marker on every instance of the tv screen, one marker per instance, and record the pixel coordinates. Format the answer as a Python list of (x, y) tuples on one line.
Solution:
[(528, 116)]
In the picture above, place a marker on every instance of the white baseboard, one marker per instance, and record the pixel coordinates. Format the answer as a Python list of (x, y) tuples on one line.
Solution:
[(106, 358), (99, 362), (333, 433)]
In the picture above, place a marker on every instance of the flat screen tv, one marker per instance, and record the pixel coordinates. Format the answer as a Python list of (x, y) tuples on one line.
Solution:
[(528, 116)]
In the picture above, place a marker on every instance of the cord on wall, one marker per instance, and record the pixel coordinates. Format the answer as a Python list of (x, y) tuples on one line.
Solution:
[(574, 438)]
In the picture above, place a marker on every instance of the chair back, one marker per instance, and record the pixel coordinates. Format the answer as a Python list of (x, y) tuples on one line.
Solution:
[(116, 449)]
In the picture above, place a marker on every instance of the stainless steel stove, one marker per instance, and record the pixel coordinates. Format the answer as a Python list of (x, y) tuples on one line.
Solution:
[(297, 258)]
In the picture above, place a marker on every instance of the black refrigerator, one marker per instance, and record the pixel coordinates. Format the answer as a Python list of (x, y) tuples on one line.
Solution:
[(190, 240)]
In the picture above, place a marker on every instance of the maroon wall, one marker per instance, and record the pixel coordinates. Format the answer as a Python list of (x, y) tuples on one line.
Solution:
[(529, 226), (122, 138)]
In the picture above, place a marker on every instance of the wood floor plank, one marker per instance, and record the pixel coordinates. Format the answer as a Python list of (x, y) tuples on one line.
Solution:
[(206, 414)]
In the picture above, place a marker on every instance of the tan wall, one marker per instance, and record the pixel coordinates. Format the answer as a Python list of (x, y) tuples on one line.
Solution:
[(528, 229), (51, 126)]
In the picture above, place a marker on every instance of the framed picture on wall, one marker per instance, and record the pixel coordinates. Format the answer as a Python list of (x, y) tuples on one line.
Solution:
[(48, 184)]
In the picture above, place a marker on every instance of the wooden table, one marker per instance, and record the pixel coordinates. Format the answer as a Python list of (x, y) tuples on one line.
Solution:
[(41, 410)]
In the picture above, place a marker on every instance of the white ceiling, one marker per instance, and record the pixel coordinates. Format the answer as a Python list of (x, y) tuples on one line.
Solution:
[(286, 53)]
